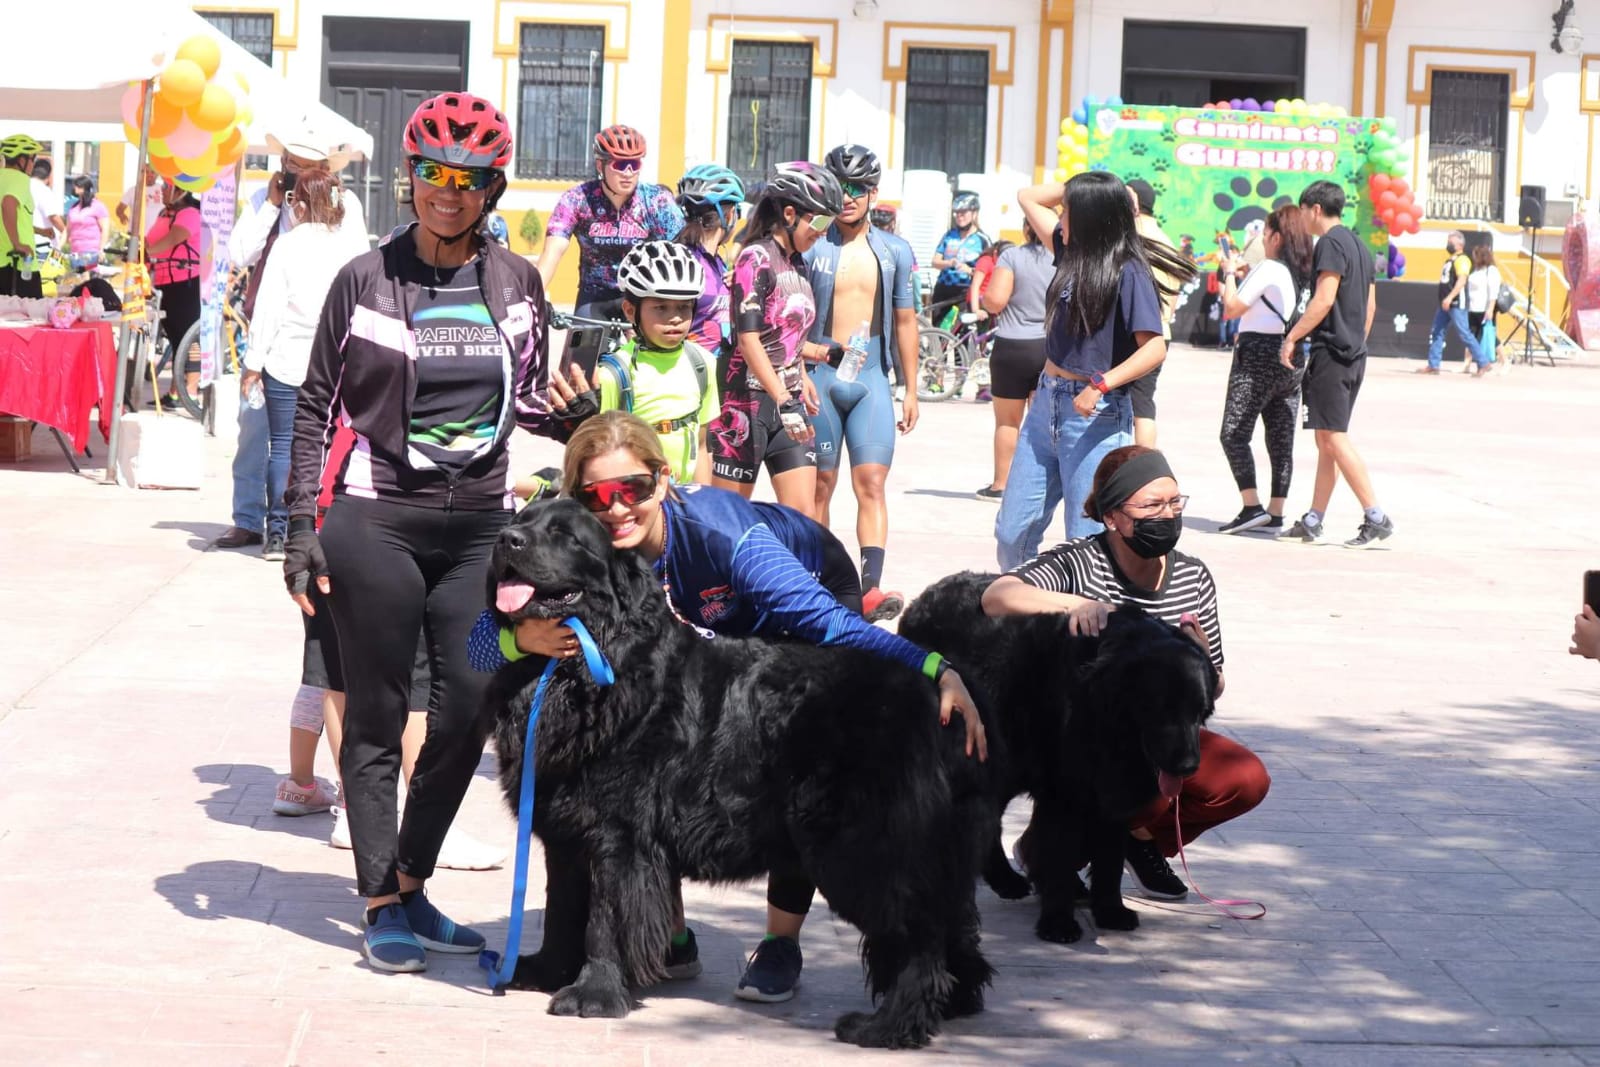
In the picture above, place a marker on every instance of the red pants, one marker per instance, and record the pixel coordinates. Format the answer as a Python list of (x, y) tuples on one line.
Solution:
[(1231, 780)]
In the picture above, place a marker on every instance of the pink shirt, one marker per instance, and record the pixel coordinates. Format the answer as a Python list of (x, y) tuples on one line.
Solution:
[(182, 261), (83, 227)]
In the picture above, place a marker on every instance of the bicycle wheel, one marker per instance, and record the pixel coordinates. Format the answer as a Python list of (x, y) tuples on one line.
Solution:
[(186, 361), (938, 364)]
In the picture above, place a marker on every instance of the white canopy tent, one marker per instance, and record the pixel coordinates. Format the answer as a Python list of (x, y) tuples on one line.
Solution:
[(114, 44)]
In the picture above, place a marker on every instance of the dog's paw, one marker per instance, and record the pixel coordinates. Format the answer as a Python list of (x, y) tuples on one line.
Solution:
[(1114, 917), (541, 973), (1007, 882), (1058, 926), (591, 1000), (965, 999), (877, 1031)]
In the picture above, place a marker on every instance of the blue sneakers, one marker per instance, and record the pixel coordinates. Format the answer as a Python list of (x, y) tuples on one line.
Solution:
[(390, 945), (438, 933), (773, 971)]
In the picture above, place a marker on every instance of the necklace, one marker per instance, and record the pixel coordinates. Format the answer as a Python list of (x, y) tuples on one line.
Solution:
[(660, 567)]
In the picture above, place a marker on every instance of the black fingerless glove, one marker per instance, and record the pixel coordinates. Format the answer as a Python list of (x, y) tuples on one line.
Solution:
[(794, 406), (580, 409), (303, 560), (551, 477), (835, 353)]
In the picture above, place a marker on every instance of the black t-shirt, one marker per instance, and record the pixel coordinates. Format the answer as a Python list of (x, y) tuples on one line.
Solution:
[(460, 369), (1343, 332)]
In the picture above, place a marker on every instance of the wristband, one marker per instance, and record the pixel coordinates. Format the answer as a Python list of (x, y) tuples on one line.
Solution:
[(508, 646), (302, 524), (1098, 380), (935, 667)]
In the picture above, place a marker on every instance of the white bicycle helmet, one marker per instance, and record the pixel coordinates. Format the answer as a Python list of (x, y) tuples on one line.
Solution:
[(661, 269)]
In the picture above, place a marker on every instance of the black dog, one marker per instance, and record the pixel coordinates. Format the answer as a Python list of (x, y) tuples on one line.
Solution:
[(1097, 728), (720, 760)]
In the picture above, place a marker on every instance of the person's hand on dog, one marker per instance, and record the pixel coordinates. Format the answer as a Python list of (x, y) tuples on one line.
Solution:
[(953, 697), (1087, 618), (303, 561), (1586, 634), (546, 637), (1190, 625)]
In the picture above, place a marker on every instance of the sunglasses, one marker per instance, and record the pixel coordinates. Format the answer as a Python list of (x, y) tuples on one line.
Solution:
[(819, 223), (440, 175), (631, 490), (623, 166), (855, 190)]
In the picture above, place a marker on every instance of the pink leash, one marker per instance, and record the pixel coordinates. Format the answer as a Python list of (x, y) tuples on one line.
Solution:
[(1224, 906)]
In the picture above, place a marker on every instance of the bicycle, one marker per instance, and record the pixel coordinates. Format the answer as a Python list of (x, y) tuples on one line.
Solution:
[(946, 360), (590, 338)]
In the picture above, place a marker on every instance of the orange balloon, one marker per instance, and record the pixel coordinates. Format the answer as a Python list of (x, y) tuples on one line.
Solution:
[(232, 147), (204, 52), (214, 110), (182, 83), (164, 117), (165, 166)]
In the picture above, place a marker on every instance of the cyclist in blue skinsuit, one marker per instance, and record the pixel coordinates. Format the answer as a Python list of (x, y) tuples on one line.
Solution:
[(862, 276), (733, 567)]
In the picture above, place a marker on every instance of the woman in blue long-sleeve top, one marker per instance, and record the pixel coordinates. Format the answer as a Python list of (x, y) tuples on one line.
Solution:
[(738, 568)]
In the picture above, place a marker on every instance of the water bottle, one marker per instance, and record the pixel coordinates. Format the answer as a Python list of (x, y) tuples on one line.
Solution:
[(25, 268), (256, 396), (855, 354)]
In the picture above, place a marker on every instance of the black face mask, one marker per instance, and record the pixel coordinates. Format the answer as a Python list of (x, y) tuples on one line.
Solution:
[(1154, 538)]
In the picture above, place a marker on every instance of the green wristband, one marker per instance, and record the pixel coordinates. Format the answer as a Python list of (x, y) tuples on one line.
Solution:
[(508, 646), (931, 665)]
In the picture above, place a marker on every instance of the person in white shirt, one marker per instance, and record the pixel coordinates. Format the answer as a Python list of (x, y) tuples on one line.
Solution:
[(1483, 289), (48, 221), (251, 245), (1259, 385), (153, 204)]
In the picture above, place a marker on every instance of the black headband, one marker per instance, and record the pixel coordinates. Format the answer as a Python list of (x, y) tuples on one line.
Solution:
[(1129, 478)]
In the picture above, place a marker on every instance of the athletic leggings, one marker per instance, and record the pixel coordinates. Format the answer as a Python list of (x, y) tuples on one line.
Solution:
[(1260, 385), (398, 570)]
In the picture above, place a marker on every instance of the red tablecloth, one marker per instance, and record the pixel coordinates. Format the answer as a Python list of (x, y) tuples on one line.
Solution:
[(58, 376)]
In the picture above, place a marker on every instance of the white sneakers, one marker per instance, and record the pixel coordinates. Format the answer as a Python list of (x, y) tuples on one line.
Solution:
[(339, 836), (460, 852)]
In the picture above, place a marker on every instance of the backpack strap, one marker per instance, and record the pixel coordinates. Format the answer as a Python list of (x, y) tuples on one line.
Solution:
[(619, 371), (702, 372)]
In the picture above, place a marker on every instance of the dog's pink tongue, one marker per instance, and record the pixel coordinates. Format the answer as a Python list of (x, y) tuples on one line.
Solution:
[(512, 596), (1169, 784)]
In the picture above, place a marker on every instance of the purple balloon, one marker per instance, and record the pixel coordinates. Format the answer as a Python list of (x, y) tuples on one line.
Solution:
[(1251, 104), (1269, 105), (1235, 103)]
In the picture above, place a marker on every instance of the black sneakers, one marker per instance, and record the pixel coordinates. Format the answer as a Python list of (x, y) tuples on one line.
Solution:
[(1252, 516), (683, 961), (1371, 533), (990, 494), (1151, 872), (773, 971), (1303, 530)]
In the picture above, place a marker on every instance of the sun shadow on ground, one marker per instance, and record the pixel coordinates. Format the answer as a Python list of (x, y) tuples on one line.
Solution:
[(201, 534)]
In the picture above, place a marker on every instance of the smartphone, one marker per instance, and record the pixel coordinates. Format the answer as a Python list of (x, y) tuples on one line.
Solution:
[(583, 348), (288, 180), (1591, 590)]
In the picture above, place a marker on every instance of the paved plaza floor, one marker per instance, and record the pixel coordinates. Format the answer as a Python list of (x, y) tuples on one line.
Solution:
[(1429, 854)]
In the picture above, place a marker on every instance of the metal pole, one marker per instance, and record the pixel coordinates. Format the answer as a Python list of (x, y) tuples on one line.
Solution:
[(135, 241), (1527, 325)]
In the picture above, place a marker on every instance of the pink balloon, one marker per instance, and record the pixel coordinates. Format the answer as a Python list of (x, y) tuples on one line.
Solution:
[(188, 140), (130, 105)]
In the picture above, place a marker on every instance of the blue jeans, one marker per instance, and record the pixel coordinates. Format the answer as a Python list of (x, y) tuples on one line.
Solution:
[(1057, 453), (250, 470), (1456, 319), (280, 425)]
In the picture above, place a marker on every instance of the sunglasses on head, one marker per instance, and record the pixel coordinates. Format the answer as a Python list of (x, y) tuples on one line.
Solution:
[(623, 166), (631, 490), (820, 223), (855, 190), (440, 175)]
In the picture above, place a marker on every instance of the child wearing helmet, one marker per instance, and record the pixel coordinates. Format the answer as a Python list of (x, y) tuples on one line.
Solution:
[(660, 374)]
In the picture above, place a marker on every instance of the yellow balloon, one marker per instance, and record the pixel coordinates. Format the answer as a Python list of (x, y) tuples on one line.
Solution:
[(1081, 135), (245, 115), (158, 147), (132, 133), (215, 110), (1066, 126), (182, 83), (243, 83), (1063, 144), (203, 52), (204, 164), (1061, 174)]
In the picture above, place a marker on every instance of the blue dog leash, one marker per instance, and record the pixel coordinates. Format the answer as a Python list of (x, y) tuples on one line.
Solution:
[(498, 968)]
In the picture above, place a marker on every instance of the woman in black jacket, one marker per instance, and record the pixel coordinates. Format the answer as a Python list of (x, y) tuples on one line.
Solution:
[(431, 348)]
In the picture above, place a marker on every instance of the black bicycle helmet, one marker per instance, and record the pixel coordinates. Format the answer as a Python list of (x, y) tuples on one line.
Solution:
[(854, 163), (808, 187), (964, 202)]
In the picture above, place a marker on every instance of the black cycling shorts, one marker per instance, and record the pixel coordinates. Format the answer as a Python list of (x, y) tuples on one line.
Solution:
[(748, 434), (1014, 367)]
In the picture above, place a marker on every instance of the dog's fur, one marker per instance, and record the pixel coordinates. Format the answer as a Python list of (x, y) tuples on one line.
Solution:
[(1089, 721), (719, 760)]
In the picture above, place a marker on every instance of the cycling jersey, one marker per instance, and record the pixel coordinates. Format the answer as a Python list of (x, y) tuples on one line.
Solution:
[(667, 395), (963, 250), (771, 297), (605, 234), (897, 283), (711, 327), (740, 568)]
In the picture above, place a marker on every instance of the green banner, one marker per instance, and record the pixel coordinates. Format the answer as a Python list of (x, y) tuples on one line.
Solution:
[(1216, 172)]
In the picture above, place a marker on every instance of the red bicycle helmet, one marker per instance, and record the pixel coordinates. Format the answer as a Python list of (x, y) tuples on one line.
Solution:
[(459, 129), (619, 142)]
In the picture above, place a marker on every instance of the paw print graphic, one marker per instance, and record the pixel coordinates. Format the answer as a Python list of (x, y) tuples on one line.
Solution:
[(1401, 322), (1240, 189)]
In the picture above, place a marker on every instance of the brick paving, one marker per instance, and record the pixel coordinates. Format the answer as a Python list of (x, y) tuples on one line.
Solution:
[(1429, 853)]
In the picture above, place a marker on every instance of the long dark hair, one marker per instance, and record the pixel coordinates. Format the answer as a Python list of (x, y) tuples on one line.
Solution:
[(1101, 239), (85, 198), (699, 226), (1294, 251), (767, 216)]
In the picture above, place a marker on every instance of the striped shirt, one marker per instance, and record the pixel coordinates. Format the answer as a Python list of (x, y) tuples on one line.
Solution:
[(1085, 568)]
